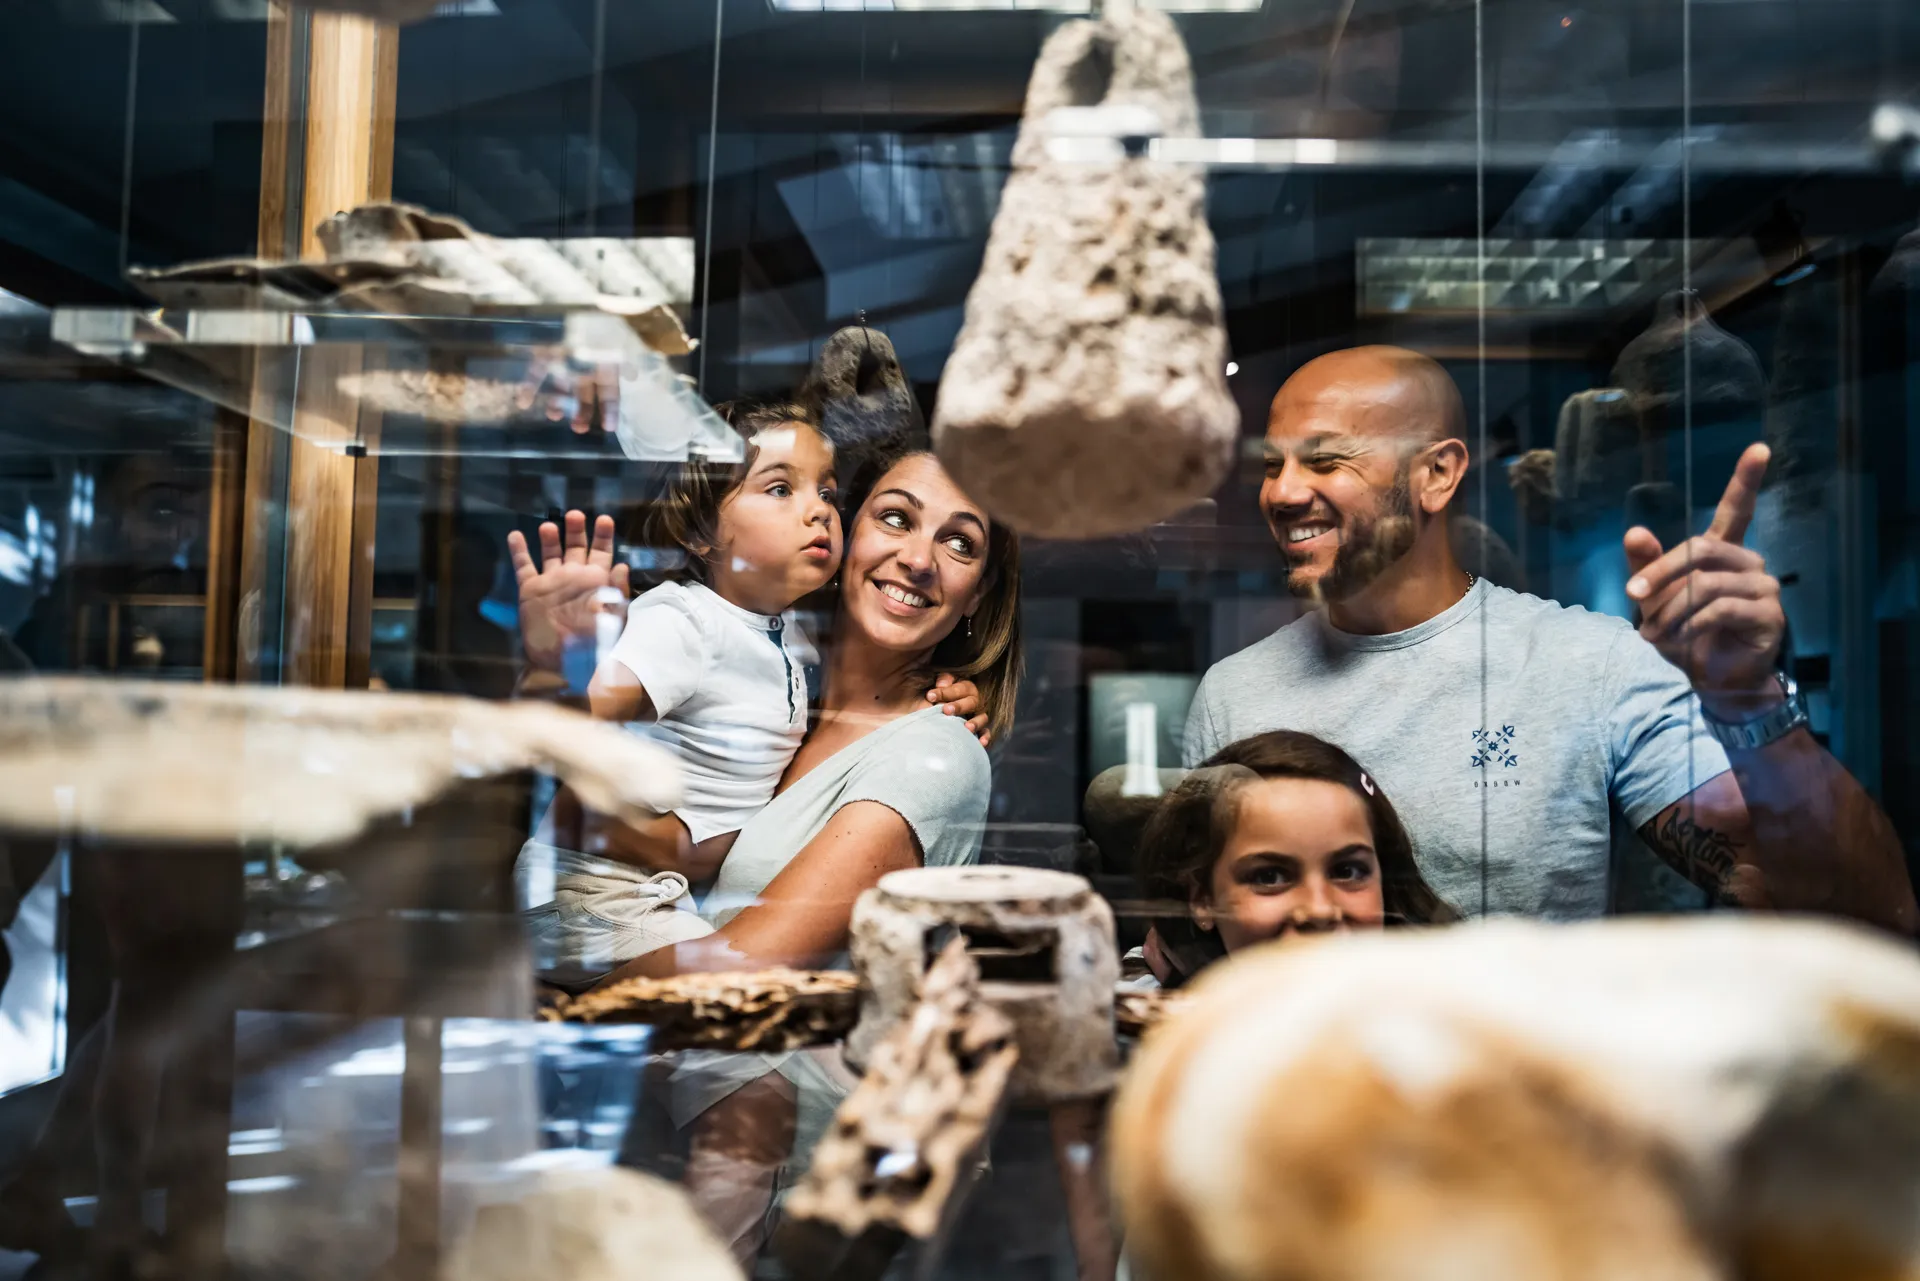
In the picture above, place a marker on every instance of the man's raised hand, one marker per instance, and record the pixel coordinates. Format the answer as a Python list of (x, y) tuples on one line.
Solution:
[(1710, 606)]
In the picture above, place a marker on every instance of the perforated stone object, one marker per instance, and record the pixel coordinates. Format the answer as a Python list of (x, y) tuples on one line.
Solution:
[(1086, 395), (1043, 942)]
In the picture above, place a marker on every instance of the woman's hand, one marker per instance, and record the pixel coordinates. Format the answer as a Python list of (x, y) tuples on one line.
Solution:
[(557, 597), (961, 698)]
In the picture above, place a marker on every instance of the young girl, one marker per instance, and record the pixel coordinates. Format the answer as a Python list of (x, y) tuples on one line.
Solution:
[(1279, 834), (717, 665)]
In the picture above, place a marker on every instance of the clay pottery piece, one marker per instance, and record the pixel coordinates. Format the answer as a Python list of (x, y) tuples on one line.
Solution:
[(1687, 1099), (1684, 356), (1086, 395)]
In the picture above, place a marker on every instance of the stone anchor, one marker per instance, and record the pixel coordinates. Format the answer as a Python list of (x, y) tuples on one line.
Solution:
[(1086, 395)]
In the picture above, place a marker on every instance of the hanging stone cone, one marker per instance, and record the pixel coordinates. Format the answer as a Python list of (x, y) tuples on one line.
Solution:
[(1684, 356), (1086, 395), (861, 393)]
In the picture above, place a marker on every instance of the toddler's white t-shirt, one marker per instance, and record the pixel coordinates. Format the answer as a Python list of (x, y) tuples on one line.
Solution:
[(729, 692)]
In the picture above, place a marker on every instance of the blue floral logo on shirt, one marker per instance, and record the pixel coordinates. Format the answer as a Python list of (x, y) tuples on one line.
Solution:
[(1494, 747)]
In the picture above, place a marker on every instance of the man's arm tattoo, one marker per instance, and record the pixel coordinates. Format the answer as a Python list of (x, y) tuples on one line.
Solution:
[(1703, 855)]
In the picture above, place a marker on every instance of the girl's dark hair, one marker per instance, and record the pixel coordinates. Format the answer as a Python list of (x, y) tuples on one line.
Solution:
[(1189, 829), (687, 513), (990, 654)]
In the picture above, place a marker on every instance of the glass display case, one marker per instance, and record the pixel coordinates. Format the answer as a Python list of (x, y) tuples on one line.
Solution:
[(315, 316)]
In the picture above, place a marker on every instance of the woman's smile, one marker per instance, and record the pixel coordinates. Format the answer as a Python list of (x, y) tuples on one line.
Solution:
[(901, 601)]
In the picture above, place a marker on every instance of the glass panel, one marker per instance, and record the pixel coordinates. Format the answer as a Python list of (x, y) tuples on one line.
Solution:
[(1508, 293)]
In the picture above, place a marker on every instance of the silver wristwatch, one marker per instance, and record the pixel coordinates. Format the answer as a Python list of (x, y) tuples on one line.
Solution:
[(1775, 722)]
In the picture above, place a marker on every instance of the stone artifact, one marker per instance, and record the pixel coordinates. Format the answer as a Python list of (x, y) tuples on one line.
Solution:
[(1683, 358), (171, 763), (608, 1224), (1705, 1099), (457, 269), (1086, 394), (165, 789), (402, 259), (1803, 399), (1597, 456), (769, 1011), (905, 1144), (441, 395), (860, 392), (1043, 942)]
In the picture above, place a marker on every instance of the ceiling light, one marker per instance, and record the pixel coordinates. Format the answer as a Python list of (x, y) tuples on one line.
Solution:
[(1511, 275)]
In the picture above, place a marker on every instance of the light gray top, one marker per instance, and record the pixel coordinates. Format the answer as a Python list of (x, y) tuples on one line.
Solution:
[(925, 767), (1506, 732)]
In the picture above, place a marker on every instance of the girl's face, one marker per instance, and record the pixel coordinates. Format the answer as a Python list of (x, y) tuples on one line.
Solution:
[(916, 558), (1300, 859), (779, 531)]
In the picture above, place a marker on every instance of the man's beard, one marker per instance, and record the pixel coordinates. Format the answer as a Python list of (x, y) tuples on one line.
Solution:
[(1369, 547)]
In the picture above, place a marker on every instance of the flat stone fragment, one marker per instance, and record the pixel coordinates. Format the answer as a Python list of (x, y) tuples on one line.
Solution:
[(608, 1224), (1086, 395), (769, 1011), (1708, 1099), (172, 763)]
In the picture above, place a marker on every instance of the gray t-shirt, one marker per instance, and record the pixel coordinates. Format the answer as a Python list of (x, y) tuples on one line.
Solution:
[(1506, 732), (924, 766), (927, 768)]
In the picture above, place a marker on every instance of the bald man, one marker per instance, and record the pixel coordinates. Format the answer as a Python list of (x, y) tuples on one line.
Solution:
[(1512, 733)]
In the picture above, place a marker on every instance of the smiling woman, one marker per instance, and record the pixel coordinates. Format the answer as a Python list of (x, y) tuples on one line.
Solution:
[(926, 569)]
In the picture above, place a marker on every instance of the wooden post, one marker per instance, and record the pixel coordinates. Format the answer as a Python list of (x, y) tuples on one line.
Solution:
[(327, 146)]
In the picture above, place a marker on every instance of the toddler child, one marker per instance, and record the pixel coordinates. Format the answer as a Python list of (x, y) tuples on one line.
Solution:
[(717, 665)]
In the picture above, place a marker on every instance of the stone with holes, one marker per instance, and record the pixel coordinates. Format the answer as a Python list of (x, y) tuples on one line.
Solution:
[(861, 393), (1086, 394), (1043, 942)]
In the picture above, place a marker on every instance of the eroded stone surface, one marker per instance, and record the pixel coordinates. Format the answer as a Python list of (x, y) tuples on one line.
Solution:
[(167, 762), (902, 1145), (1086, 394), (1044, 944), (861, 393), (610, 1224), (1673, 1099), (767, 1011)]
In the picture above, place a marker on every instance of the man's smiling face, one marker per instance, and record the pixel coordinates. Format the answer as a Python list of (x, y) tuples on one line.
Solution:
[(1336, 489)]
